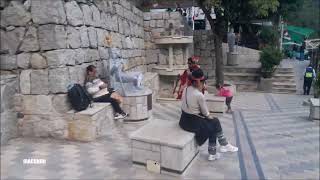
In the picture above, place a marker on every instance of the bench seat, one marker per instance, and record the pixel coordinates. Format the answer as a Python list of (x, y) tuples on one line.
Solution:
[(165, 142), (89, 124)]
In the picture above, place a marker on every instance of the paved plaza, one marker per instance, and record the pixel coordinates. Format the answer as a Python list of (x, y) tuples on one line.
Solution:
[(275, 137)]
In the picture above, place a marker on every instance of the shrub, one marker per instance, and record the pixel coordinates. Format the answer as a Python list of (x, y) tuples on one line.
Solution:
[(269, 36), (270, 57)]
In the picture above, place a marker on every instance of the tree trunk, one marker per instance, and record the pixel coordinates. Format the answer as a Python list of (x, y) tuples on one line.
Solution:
[(216, 28), (219, 60)]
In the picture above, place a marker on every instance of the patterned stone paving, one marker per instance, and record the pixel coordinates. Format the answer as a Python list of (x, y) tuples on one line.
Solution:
[(277, 141)]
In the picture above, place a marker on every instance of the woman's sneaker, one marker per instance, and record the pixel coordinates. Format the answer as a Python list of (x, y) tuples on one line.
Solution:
[(213, 157), (118, 116), (228, 148), (124, 114)]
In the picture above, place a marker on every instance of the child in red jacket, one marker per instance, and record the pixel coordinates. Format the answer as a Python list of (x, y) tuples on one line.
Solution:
[(225, 92)]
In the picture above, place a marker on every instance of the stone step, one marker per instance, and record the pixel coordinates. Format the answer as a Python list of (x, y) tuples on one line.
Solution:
[(241, 76), (284, 90), (284, 77), (232, 69), (284, 70), (283, 85), (247, 86)]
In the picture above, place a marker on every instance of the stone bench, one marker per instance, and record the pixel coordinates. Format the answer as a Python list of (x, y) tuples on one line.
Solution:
[(216, 104), (89, 124), (314, 109), (166, 143)]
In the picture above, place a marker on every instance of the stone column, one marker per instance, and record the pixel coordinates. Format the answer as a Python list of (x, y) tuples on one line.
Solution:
[(170, 57), (185, 54)]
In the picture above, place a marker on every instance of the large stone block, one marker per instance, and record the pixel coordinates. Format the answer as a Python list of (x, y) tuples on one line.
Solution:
[(48, 11), (91, 123), (73, 37), (103, 52), (9, 128), (58, 80), (39, 82), (8, 62), (60, 57), (10, 40), (23, 60), (52, 37), (166, 143), (84, 37), (80, 56), (37, 61), (25, 82), (114, 24), (147, 16), (92, 55), (119, 9), (44, 104), (9, 86), (106, 18), (127, 28), (92, 37), (157, 15), (96, 16), (30, 41), (87, 15), (15, 15), (43, 126), (101, 37), (74, 13)]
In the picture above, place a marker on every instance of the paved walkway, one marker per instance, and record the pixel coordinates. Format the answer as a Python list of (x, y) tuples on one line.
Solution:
[(275, 137)]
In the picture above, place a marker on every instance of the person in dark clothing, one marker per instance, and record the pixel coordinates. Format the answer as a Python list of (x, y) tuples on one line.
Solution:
[(309, 75), (100, 93), (302, 48), (195, 117)]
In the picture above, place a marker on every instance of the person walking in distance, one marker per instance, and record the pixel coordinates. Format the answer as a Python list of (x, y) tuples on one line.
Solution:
[(309, 75)]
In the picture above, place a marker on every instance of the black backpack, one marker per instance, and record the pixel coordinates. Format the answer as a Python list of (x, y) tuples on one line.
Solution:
[(79, 97)]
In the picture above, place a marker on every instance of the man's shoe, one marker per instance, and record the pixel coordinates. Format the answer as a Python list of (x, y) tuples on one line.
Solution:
[(118, 116), (228, 148), (213, 157)]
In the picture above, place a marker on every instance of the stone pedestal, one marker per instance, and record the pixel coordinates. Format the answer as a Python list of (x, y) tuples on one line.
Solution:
[(138, 105), (216, 104), (314, 109), (91, 123), (232, 58), (165, 143), (265, 84)]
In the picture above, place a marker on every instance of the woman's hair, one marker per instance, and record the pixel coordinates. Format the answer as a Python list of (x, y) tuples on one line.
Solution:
[(196, 77), (90, 68), (218, 85)]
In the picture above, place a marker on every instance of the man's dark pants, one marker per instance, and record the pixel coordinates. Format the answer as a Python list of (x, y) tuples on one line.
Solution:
[(307, 85)]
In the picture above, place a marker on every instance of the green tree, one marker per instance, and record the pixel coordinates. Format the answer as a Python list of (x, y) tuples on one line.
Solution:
[(230, 11)]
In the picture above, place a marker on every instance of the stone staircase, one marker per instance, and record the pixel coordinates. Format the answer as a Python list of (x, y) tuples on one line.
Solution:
[(244, 78), (284, 81)]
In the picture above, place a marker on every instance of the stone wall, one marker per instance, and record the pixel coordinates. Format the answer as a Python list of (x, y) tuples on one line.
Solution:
[(157, 24), (204, 48), (48, 44), (9, 86)]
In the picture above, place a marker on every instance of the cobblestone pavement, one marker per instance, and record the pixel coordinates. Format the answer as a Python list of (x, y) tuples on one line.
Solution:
[(276, 140)]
